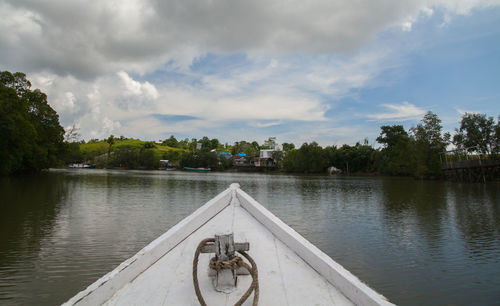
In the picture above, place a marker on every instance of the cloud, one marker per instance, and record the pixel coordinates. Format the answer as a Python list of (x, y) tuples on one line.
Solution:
[(327, 135), (173, 118), (260, 92), (86, 41), (399, 112), (463, 112), (269, 107), (120, 104), (138, 89), (266, 124), (136, 67)]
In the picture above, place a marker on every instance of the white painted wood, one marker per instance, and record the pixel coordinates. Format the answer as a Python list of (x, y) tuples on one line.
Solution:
[(100, 291), (342, 279), (281, 272), (182, 291), (263, 252), (161, 273), (294, 269), (175, 270)]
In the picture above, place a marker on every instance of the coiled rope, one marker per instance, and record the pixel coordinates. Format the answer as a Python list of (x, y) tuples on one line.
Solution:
[(233, 264)]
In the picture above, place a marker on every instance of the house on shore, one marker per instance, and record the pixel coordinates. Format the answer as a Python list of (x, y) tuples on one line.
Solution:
[(240, 160), (265, 159)]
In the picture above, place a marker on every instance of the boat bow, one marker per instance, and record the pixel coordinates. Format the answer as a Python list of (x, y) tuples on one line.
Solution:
[(292, 271)]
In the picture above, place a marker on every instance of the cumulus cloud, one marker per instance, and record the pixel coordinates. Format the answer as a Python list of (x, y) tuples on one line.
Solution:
[(262, 92), (98, 63), (120, 104), (399, 112), (73, 37), (138, 89)]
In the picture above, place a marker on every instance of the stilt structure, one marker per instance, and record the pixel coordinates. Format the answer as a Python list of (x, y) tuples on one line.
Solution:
[(461, 165)]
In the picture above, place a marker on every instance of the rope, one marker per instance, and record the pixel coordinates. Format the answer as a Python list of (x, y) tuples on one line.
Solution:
[(195, 270), (233, 264), (255, 280)]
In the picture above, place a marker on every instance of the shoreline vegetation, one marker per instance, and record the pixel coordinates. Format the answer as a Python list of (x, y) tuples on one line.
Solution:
[(32, 139)]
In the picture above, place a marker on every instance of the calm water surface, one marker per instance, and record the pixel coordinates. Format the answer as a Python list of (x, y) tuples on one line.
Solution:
[(418, 243)]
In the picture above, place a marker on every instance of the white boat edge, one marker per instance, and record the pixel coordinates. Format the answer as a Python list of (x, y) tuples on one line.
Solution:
[(104, 288)]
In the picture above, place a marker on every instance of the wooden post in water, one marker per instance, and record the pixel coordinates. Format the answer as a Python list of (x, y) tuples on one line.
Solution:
[(482, 170)]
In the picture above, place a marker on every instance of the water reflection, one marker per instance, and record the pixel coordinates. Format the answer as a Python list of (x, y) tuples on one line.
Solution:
[(24, 223), (415, 206), (416, 242), (434, 230), (479, 219)]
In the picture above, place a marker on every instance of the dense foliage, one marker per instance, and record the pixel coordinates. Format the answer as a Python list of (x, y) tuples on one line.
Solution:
[(312, 158), (199, 159), (397, 148), (429, 142), (478, 134), (31, 137), (414, 152), (309, 158)]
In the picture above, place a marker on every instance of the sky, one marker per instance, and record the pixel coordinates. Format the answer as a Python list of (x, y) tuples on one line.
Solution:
[(330, 71)]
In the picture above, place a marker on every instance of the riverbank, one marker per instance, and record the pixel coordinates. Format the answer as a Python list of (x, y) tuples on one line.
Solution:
[(264, 170)]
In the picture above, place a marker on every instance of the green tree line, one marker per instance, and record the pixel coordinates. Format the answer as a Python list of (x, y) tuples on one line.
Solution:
[(415, 152), (31, 139)]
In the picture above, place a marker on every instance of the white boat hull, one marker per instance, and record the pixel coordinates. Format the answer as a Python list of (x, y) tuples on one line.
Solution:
[(292, 271)]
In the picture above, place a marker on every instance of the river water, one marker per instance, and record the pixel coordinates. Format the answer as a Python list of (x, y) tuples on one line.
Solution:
[(416, 242)]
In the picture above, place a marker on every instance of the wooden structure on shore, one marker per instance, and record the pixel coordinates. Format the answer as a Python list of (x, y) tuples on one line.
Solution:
[(460, 165)]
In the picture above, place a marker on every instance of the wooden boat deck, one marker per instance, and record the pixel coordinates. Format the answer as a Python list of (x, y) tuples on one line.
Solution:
[(291, 270), (284, 278)]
